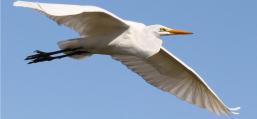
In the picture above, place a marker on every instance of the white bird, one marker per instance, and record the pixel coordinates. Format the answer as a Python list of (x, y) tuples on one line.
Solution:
[(134, 44)]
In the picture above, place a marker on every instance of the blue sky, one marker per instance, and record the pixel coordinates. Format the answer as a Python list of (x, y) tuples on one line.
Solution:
[(222, 50)]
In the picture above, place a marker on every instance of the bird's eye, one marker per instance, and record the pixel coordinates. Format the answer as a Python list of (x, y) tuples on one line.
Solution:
[(162, 29)]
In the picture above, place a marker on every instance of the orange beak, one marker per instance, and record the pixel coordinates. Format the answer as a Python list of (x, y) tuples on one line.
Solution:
[(179, 32)]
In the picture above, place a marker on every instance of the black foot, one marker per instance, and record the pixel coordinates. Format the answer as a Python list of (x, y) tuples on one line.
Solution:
[(41, 56)]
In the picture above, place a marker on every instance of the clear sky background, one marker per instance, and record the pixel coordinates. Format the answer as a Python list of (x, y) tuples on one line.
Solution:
[(223, 51)]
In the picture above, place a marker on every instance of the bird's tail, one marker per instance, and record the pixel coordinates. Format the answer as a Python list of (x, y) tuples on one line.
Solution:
[(71, 44)]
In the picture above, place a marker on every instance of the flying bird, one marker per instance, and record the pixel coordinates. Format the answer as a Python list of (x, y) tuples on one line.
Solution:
[(134, 44)]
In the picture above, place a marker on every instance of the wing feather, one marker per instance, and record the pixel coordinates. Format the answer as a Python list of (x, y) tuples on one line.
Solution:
[(84, 19), (168, 73)]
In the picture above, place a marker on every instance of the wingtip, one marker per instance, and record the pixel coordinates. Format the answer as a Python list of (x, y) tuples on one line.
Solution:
[(21, 3), (17, 3), (233, 110)]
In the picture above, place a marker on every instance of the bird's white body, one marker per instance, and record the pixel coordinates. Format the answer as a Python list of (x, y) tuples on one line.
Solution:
[(123, 42), (135, 45)]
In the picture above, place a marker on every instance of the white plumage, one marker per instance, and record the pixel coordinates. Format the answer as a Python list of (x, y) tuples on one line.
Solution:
[(135, 45)]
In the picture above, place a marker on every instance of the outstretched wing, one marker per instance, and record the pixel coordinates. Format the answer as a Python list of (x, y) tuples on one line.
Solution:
[(87, 20), (168, 73)]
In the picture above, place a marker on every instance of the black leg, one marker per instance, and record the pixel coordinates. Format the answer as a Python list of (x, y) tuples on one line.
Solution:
[(47, 56)]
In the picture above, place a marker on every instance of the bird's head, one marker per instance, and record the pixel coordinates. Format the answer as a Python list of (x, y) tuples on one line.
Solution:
[(164, 31)]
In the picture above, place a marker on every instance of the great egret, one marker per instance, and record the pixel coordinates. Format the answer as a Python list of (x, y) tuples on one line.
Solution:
[(137, 46)]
